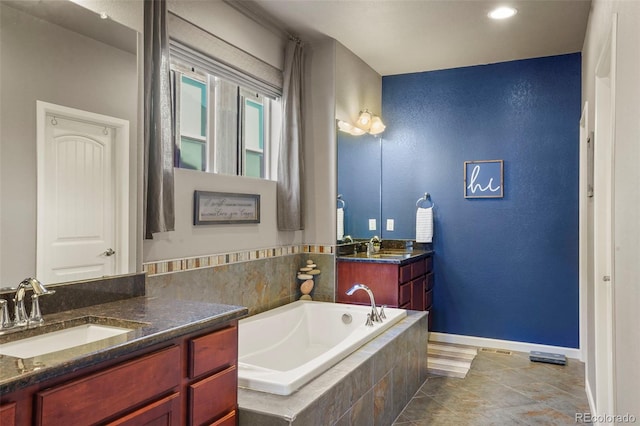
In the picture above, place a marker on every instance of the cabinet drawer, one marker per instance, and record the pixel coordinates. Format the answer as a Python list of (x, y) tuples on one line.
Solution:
[(213, 396), (412, 270), (429, 299), (429, 281), (405, 273), (428, 264), (101, 395), (230, 419), (163, 412), (213, 352), (418, 268), (405, 293), (8, 414)]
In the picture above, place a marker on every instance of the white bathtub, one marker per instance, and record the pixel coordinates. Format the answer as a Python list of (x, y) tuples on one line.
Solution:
[(282, 349)]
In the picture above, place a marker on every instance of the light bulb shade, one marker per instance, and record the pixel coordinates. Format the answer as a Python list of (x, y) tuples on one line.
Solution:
[(377, 126), (364, 120), (348, 128)]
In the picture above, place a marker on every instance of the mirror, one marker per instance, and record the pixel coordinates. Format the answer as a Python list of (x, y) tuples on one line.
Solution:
[(61, 53), (359, 183)]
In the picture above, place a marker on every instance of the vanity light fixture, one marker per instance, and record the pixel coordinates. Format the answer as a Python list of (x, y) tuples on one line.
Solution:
[(370, 123), (377, 126), (364, 120), (502, 12), (366, 123), (348, 128)]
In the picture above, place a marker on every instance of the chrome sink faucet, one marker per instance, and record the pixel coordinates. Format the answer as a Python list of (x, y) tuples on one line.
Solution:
[(371, 245), (373, 316), (20, 317)]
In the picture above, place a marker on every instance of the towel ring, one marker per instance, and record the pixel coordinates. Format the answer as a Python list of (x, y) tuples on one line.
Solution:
[(426, 198), (340, 200)]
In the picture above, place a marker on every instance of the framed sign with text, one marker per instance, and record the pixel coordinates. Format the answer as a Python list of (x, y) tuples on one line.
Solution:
[(211, 208), (484, 179)]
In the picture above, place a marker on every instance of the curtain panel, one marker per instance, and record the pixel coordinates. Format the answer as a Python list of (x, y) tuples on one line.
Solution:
[(159, 200), (290, 196)]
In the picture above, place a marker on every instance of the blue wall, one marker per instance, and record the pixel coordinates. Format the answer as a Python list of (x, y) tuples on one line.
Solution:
[(504, 268), (359, 174)]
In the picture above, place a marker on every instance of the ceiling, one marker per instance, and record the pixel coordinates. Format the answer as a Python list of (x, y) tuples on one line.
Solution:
[(404, 36), (76, 18)]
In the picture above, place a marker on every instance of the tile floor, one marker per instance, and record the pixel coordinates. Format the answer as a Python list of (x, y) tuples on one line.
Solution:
[(501, 390)]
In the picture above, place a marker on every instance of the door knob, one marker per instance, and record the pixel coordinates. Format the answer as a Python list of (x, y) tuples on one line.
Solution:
[(109, 252)]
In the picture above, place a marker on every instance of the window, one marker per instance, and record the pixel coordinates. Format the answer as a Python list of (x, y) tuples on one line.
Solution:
[(222, 127), (193, 124)]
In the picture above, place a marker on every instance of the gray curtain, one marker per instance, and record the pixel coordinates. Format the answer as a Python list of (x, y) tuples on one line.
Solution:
[(290, 157), (158, 137)]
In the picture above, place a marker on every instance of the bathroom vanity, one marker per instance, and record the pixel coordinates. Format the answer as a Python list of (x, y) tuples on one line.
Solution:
[(398, 279), (177, 365)]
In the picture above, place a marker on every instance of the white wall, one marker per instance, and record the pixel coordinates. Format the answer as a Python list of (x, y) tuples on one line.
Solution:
[(320, 143), (626, 274), (189, 240), (358, 86), (338, 86)]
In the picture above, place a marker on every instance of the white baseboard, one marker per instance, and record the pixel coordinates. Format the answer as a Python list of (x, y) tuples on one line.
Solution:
[(484, 342)]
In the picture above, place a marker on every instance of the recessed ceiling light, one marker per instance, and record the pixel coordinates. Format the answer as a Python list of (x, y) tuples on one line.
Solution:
[(502, 12), (103, 15)]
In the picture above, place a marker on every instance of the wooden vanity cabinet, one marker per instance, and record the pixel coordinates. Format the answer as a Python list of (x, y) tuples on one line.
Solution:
[(8, 414), (190, 380), (406, 286)]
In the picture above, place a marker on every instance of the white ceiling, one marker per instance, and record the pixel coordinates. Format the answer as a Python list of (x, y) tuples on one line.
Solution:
[(404, 36)]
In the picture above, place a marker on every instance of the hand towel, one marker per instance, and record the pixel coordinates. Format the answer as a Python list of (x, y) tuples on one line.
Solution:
[(424, 225), (340, 224)]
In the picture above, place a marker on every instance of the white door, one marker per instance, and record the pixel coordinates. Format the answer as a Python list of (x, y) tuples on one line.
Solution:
[(604, 281), (78, 235)]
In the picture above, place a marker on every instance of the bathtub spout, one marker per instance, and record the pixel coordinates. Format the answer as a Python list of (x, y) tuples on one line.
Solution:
[(375, 317)]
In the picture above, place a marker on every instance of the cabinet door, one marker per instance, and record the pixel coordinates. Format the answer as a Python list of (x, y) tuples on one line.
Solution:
[(417, 294), (8, 414), (381, 278), (165, 412)]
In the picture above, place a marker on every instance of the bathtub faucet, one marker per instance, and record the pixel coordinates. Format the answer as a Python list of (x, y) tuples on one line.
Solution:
[(374, 316)]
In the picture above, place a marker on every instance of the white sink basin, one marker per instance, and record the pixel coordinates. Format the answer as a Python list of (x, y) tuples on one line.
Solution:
[(60, 340)]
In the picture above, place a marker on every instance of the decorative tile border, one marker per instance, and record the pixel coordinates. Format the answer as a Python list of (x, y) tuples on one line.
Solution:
[(185, 264)]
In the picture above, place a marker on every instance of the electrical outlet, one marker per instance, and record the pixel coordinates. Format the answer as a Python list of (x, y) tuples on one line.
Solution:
[(372, 224), (390, 223)]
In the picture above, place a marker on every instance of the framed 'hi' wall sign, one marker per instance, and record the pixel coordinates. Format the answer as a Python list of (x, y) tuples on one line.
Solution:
[(484, 179)]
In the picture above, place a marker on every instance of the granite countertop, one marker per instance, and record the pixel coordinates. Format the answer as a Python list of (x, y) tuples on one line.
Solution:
[(154, 320), (399, 257)]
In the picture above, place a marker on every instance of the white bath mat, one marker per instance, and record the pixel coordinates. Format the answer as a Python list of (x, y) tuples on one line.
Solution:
[(444, 359)]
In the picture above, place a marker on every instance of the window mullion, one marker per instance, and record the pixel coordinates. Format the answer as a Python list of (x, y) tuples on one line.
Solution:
[(240, 133)]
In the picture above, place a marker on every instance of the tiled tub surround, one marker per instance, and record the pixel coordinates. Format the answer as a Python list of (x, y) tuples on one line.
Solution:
[(259, 285), (369, 387), (81, 294)]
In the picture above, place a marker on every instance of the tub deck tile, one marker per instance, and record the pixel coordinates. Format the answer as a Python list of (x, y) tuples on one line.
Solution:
[(370, 386)]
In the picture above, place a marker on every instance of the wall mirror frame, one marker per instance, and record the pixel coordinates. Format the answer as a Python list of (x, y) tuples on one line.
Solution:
[(57, 51)]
